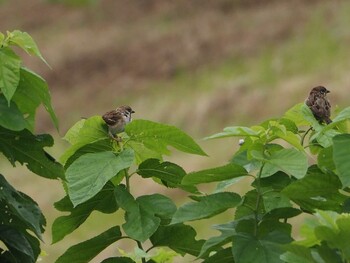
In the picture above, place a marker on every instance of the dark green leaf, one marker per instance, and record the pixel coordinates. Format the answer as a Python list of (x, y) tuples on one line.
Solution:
[(325, 159), (179, 237), (248, 206), (317, 190), (341, 156), (157, 137), (217, 174), (21, 206), (298, 254), (160, 205), (104, 202), (222, 256), (87, 250), (118, 260), (216, 243), (207, 206), (90, 172), (31, 92), (10, 117), (265, 247), (140, 222), (24, 147), (9, 72)]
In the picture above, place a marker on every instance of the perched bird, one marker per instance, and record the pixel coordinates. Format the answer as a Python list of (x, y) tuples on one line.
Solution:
[(117, 119), (319, 104)]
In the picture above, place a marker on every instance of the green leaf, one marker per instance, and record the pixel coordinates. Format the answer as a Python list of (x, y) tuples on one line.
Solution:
[(10, 117), (235, 131), (118, 260), (26, 42), (295, 115), (17, 243), (95, 147), (166, 171), (24, 147), (207, 206), (90, 172), (31, 92), (87, 250), (317, 190), (84, 132), (10, 64), (217, 174), (179, 237), (222, 256), (140, 223), (244, 210), (325, 159), (298, 254), (215, 243), (104, 202), (290, 161), (157, 137), (171, 174), (160, 205), (21, 206), (341, 157), (265, 247)]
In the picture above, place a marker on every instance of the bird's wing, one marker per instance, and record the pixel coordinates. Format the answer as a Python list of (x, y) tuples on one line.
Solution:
[(112, 117)]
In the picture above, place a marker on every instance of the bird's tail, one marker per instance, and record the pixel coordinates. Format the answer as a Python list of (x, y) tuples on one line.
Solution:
[(328, 120)]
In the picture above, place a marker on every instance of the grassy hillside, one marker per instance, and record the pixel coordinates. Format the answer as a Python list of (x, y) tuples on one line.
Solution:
[(199, 65)]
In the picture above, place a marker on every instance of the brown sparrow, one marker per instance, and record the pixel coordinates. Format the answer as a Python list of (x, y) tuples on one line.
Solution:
[(117, 119), (319, 104)]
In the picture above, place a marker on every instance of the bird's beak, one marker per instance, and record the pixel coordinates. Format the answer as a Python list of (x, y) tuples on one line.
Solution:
[(134, 111), (327, 91)]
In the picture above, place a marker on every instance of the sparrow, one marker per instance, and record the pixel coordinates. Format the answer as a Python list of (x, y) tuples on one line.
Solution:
[(117, 119), (319, 104)]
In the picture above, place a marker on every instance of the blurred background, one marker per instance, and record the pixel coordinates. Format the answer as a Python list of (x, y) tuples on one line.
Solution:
[(197, 64)]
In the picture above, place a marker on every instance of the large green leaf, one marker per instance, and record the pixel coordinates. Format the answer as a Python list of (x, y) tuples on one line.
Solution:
[(263, 247), (290, 161), (104, 202), (141, 222), (207, 206), (90, 172), (341, 156), (20, 206), (31, 92), (84, 132), (10, 117), (179, 237), (26, 42), (87, 250), (9, 72), (317, 190), (26, 148), (217, 174), (295, 115), (157, 136)]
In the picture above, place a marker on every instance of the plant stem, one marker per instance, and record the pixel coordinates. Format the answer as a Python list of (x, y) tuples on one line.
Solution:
[(143, 260), (304, 135), (258, 198), (127, 180)]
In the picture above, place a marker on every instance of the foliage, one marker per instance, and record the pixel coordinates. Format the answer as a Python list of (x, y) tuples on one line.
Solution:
[(21, 92), (294, 170)]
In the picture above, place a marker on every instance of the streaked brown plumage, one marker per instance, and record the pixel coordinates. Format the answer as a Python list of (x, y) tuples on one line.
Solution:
[(319, 104), (117, 119)]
